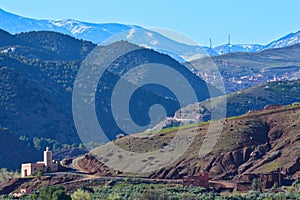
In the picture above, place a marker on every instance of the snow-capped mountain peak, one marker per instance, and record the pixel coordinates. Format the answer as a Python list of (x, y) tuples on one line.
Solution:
[(288, 40), (100, 32), (74, 26)]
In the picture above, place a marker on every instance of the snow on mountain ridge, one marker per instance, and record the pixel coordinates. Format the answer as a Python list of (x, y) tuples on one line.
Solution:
[(223, 49), (99, 32), (74, 26), (87, 31), (288, 40)]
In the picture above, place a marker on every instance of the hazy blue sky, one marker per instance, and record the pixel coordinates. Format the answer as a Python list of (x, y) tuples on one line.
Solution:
[(249, 21)]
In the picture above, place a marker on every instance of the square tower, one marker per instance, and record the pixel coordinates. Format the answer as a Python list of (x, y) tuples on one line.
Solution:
[(47, 157)]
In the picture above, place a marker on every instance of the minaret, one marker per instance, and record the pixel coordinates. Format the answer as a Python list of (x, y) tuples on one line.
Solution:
[(47, 157)]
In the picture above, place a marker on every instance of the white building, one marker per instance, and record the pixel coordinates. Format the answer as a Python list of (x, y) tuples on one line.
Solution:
[(48, 165)]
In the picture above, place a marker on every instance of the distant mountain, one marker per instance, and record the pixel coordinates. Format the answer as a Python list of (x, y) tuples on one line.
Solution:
[(87, 31), (288, 40), (224, 49), (153, 40), (98, 33), (243, 70)]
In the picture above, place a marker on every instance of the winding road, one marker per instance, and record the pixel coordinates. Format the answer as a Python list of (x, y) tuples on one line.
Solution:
[(75, 169)]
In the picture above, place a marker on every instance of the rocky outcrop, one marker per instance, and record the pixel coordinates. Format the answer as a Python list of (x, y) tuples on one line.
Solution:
[(92, 165), (294, 167)]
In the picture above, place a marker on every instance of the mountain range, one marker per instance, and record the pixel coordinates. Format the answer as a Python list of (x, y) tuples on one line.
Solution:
[(225, 48), (38, 69), (37, 74), (242, 70), (98, 33), (87, 31), (287, 40)]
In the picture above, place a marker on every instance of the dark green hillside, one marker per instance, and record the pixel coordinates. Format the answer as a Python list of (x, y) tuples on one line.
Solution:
[(36, 84), (44, 45), (35, 93), (64, 47), (8, 39), (251, 99), (257, 97), (30, 108), (147, 95), (14, 152)]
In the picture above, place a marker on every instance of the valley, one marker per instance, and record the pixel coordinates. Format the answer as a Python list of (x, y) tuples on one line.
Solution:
[(200, 122)]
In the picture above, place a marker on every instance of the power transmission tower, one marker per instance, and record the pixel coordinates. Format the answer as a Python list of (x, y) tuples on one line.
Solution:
[(228, 43), (210, 47)]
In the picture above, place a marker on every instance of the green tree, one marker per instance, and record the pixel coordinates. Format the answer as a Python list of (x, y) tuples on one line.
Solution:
[(113, 197), (256, 185), (24, 138), (5, 174), (37, 143), (81, 195), (56, 146), (127, 180), (296, 182), (275, 185), (54, 193), (81, 146), (60, 195), (39, 174), (74, 145)]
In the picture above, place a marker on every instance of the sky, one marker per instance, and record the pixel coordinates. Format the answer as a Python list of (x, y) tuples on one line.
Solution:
[(247, 22)]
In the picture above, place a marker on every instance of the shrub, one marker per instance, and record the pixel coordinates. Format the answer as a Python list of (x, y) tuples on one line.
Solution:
[(53, 193), (81, 195)]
